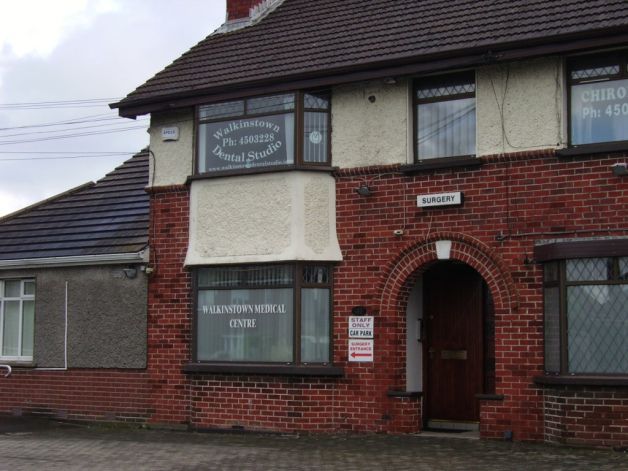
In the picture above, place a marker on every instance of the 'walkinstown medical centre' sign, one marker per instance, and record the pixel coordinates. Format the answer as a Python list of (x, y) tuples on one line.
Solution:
[(250, 310), (248, 143)]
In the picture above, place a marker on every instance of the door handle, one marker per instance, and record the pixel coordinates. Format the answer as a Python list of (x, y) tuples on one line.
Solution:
[(431, 351), (419, 330)]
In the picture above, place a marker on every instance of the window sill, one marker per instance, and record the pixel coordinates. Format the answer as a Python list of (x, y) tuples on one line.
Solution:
[(468, 161), (283, 370), (558, 380), (591, 149), (19, 363), (408, 394), (255, 171)]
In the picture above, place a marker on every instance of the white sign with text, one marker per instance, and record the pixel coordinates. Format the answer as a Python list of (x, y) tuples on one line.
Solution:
[(361, 327), (360, 350), (439, 199)]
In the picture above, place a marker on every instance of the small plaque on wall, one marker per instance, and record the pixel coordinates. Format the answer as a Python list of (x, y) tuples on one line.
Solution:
[(439, 199), (170, 133)]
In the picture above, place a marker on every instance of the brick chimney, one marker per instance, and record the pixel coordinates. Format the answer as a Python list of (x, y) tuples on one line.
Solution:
[(239, 9)]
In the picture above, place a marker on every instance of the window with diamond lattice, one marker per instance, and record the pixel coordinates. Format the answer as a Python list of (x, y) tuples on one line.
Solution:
[(586, 316), (445, 116), (598, 87)]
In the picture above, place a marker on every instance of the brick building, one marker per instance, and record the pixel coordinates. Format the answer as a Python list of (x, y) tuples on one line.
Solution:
[(388, 216)]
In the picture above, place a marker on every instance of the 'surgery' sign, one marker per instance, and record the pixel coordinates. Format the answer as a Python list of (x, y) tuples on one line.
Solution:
[(439, 199), (251, 142)]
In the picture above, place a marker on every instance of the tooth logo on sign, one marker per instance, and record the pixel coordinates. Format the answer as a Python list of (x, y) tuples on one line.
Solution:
[(316, 137)]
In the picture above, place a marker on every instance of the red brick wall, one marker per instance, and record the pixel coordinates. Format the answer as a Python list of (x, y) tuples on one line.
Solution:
[(510, 202), (263, 403), (96, 395), (586, 415), (169, 305), (240, 8)]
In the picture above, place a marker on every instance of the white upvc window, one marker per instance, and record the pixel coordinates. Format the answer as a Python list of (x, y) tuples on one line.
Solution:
[(17, 319)]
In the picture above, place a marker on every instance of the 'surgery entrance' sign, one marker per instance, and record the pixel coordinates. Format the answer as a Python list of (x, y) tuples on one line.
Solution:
[(250, 142)]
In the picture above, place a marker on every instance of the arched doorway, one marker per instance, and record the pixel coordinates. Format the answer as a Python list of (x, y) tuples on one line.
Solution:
[(402, 299), (457, 336)]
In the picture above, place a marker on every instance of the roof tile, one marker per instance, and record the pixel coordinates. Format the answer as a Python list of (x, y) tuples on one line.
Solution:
[(110, 216), (302, 37)]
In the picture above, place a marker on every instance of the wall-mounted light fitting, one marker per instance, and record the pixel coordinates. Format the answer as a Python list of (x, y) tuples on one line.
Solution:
[(620, 169), (390, 80), (364, 190)]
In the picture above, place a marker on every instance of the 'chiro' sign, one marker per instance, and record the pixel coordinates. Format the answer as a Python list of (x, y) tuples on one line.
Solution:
[(599, 112)]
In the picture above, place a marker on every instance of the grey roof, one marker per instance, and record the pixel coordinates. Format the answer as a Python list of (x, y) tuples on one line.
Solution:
[(302, 39), (107, 217)]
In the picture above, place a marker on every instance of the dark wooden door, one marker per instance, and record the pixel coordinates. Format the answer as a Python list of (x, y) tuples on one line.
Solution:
[(454, 347)]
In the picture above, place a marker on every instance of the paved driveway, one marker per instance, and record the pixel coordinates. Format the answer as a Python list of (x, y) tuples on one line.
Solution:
[(24, 446)]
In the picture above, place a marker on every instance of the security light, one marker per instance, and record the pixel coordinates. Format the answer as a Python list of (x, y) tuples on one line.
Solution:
[(364, 190), (620, 169)]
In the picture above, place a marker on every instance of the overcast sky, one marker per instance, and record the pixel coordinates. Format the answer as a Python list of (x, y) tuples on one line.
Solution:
[(95, 51)]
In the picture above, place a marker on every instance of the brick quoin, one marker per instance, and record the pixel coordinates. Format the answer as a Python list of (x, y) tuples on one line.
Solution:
[(169, 305)]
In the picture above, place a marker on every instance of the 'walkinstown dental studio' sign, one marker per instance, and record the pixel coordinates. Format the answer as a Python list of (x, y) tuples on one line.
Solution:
[(248, 143)]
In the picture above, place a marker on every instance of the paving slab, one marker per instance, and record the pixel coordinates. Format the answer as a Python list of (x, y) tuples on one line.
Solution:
[(58, 446)]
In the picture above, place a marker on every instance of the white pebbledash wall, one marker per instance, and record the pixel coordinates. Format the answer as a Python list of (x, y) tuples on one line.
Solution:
[(372, 122), (263, 218), (291, 215)]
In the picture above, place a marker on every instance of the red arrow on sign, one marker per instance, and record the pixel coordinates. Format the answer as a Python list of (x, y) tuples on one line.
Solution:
[(360, 354)]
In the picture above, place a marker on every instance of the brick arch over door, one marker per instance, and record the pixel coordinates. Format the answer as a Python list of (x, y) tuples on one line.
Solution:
[(402, 272), (401, 275)]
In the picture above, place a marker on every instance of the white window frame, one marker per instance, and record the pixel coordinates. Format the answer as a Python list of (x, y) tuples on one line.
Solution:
[(23, 297)]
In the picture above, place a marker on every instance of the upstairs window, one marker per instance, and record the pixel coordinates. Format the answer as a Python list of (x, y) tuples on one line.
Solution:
[(291, 129), (17, 319), (586, 316), (599, 99), (445, 116)]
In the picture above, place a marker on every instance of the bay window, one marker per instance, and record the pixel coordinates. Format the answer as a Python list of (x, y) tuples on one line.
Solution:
[(264, 132), (586, 316), (263, 314), (598, 88), (17, 319), (445, 116)]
